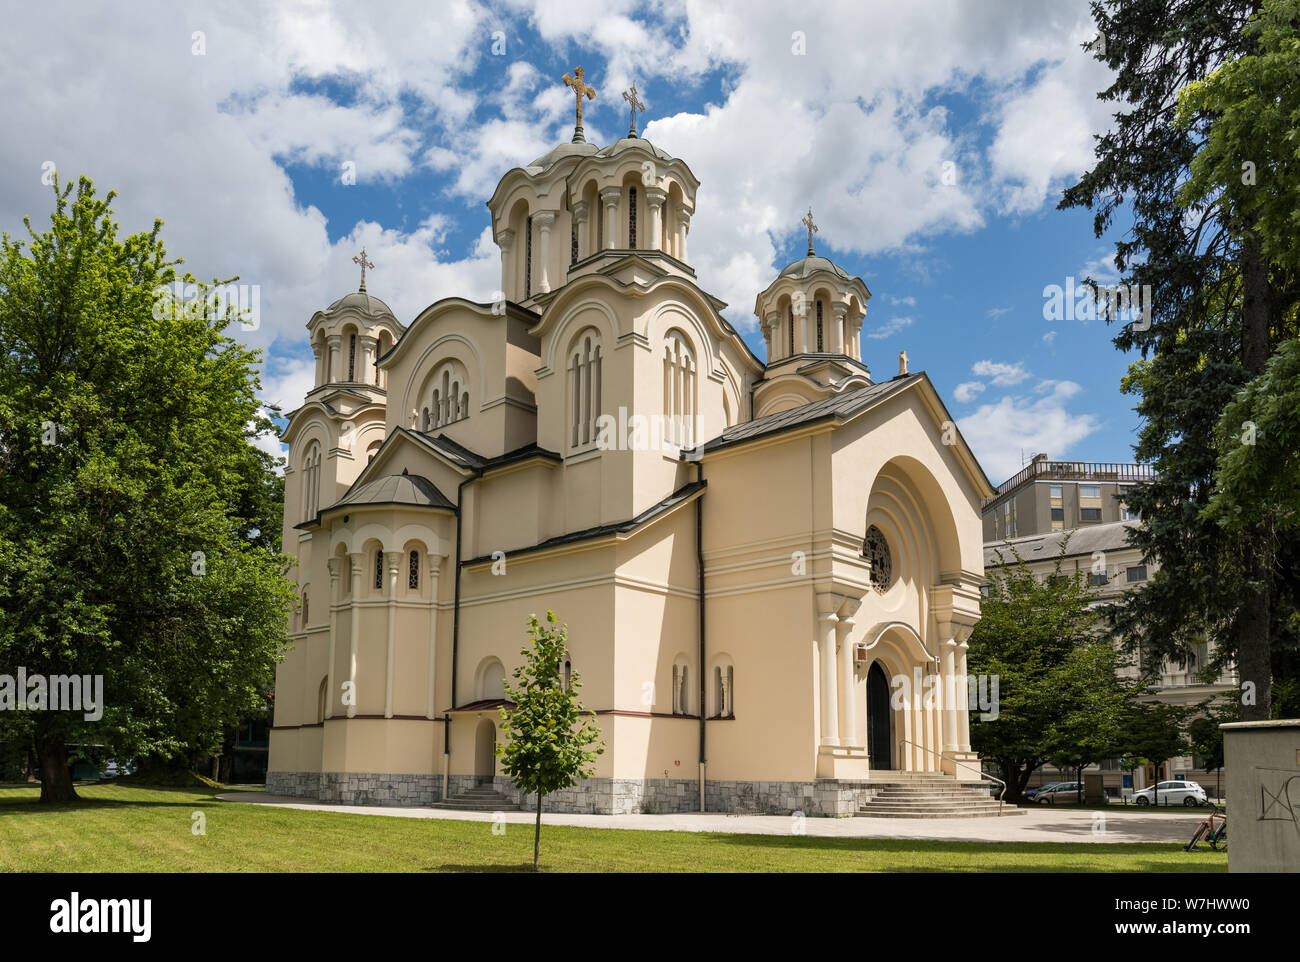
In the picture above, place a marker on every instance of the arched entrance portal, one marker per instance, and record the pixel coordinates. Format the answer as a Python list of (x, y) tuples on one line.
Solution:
[(485, 747), (879, 719)]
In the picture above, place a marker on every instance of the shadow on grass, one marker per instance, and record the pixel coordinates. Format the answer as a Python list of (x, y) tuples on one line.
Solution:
[(522, 868), (29, 803)]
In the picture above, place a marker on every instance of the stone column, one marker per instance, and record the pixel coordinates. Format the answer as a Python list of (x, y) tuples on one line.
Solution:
[(848, 680), (506, 240), (826, 605), (317, 353), (392, 564), (963, 696), (335, 566), (837, 343), (610, 197), (800, 311), (684, 227), (950, 696), (435, 565), (654, 199), (334, 342), (579, 211), (355, 559), (544, 220), (368, 373), (771, 333)]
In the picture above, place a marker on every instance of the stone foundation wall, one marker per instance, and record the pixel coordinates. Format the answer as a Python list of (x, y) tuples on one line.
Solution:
[(297, 784), (357, 788)]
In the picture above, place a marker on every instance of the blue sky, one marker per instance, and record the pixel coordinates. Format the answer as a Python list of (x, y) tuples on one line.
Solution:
[(931, 139)]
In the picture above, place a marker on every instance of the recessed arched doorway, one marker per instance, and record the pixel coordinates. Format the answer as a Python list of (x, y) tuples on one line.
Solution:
[(880, 738), (485, 749)]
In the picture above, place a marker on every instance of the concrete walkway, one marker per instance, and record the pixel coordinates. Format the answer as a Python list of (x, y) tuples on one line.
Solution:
[(1037, 824)]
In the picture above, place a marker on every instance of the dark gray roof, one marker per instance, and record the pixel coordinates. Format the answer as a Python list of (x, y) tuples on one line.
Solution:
[(839, 406), (365, 303), (810, 265), (556, 154), (463, 456), (1044, 547), (409, 489)]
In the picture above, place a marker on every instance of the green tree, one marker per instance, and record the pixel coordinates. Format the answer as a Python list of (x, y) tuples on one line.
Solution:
[(1045, 644), (1221, 300), (1155, 731), (1095, 704), (549, 738), (127, 474)]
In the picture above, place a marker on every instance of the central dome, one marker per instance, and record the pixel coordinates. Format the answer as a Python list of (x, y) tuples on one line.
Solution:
[(807, 266)]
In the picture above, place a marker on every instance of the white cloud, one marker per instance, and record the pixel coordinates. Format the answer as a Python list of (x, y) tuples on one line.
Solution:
[(1003, 375), (999, 432), (890, 328), (998, 311), (967, 390), (909, 301), (1049, 338)]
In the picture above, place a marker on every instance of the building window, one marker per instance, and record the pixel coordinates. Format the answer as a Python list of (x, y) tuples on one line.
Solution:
[(311, 482), (568, 673), (306, 608), (724, 677), (1090, 490), (1054, 491), (876, 550), (1090, 514), (1058, 514), (631, 218), (379, 568), (352, 357), (573, 240), (584, 387), (1136, 573), (372, 450), (679, 390), (1097, 580), (413, 572), (819, 327), (789, 328), (681, 691), (450, 399), (528, 257)]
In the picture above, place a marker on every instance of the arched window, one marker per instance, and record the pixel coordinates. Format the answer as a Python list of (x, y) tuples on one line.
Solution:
[(352, 357), (306, 613), (584, 387), (311, 482), (789, 329), (450, 398), (681, 690), (876, 550), (372, 449), (322, 696), (819, 327), (568, 673), (413, 571), (528, 257), (679, 390), (379, 568), (631, 218), (724, 677)]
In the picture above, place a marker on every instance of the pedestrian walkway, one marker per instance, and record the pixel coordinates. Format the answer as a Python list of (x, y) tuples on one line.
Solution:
[(1037, 824)]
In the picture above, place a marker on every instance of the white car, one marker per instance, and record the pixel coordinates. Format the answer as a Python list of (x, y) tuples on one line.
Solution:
[(1173, 793)]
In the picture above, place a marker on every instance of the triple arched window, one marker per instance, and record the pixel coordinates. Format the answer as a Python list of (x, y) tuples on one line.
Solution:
[(311, 482), (679, 390), (449, 401), (585, 357)]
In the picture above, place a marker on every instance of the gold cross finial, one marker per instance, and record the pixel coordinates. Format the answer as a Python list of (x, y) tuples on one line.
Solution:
[(361, 259), (636, 104), (812, 229), (580, 89)]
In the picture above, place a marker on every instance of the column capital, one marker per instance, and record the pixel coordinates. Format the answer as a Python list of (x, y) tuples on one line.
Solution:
[(333, 340), (848, 608), (505, 239), (544, 219), (655, 196), (579, 210), (610, 195), (828, 602)]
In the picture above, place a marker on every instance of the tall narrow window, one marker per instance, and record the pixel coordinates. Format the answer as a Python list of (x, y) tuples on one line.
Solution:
[(413, 572), (679, 390), (352, 357), (573, 240), (528, 257), (631, 218), (311, 482), (568, 674), (584, 387), (379, 568), (306, 608), (789, 329), (819, 327)]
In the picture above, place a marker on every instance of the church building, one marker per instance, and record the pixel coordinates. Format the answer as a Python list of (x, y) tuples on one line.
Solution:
[(768, 567)]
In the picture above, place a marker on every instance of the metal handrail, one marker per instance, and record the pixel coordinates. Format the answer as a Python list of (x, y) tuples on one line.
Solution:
[(982, 773)]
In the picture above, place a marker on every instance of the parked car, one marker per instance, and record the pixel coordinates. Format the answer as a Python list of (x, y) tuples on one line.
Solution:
[(1172, 793), (1032, 793), (1060, 792)]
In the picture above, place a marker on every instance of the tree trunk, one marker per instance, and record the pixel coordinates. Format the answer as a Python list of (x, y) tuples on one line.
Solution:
[(537, 831), (56, 778), (1254, 619)]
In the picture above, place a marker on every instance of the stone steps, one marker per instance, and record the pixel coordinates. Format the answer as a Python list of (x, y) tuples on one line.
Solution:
[(931, 796), (480, 799)]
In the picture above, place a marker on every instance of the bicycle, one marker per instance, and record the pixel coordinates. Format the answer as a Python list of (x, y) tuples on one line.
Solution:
[(1213, 829)]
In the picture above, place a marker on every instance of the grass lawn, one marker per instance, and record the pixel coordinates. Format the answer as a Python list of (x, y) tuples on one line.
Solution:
[(119, 829)]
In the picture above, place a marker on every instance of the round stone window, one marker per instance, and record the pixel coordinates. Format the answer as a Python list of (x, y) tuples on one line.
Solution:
[(876, 550)]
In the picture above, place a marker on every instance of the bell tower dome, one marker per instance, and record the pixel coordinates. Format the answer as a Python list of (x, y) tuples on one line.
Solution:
[(811, 317)]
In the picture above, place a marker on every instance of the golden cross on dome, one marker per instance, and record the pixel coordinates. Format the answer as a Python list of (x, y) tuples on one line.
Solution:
[(361, 259), (580, 89), (636, 104), (812, 229)]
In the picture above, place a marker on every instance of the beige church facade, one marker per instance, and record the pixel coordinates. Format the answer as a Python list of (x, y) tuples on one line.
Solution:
[(768, 568)]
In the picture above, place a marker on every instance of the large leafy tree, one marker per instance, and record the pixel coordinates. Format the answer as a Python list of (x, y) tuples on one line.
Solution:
[(130, 488), (1059, 696), (1221, 302), (550, 736)]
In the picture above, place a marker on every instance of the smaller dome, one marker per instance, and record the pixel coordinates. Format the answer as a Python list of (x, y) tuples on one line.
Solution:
[(363, 302), (627, 143), (811, 265), (557, 154)]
